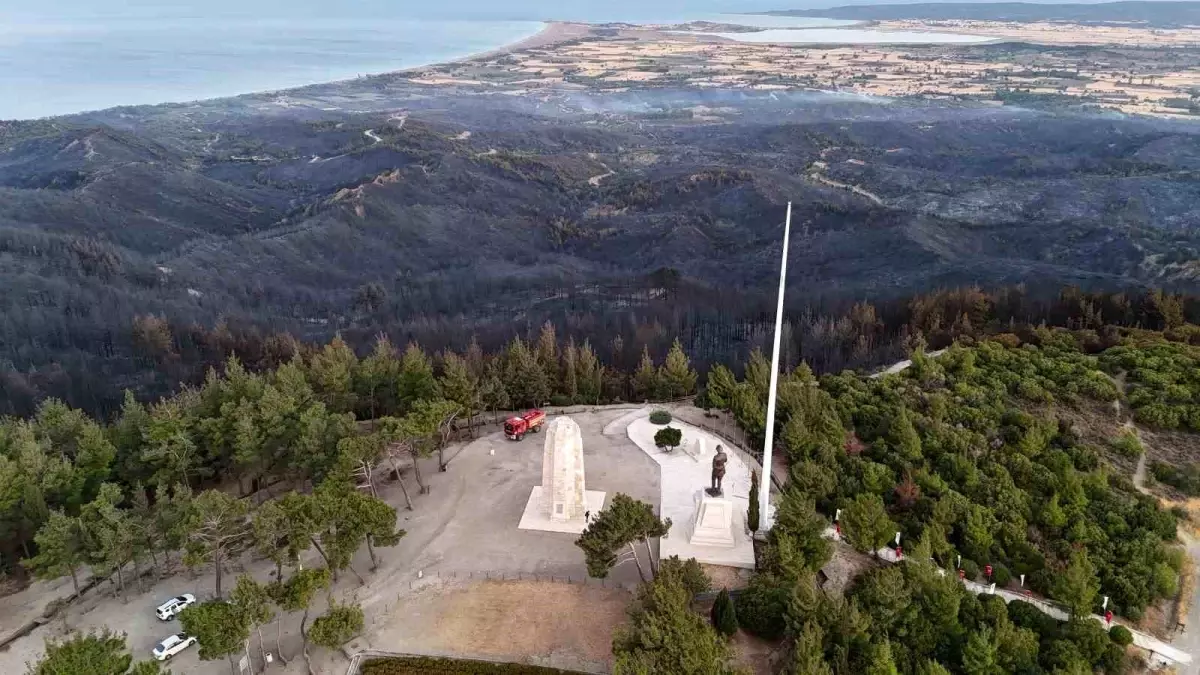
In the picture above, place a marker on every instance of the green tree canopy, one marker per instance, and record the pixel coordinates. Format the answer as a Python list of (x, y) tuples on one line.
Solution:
[(336, 626), (866, 524), (94, 653), (220, 628)]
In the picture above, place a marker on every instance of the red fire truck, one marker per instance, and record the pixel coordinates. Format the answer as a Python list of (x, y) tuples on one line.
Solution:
[(516, 427)]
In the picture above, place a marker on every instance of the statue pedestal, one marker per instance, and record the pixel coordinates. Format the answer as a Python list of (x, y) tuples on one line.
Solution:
[(714, 522)]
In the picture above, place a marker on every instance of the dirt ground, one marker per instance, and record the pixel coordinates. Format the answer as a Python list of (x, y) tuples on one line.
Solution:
[(465, 528), (754, 653), (555, 624)]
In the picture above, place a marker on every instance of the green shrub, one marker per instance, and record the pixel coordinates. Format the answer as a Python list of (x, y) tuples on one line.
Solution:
[(724, 615), (1026, 615), (427, 665), (970, 568), (752, 515), (668, 438), (1120, 635), (1185, 479), (1001, 575), (1127, 444), (660, 417), (336, 626), (762, 607), (561, 400)]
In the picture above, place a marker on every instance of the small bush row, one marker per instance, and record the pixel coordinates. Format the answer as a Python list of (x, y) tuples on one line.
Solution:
[(428, 665)]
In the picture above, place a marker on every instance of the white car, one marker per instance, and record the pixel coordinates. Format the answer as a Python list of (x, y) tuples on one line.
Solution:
[(169, 609), (172, 645)]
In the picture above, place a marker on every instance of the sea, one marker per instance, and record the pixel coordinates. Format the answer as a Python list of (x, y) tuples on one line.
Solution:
[(75, 55)]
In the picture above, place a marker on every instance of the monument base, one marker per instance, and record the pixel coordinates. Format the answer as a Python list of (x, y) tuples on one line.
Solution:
[(534, 518), (714, 492), (714, 523)]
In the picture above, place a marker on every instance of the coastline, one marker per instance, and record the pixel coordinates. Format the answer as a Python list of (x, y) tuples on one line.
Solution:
[(550, 33)]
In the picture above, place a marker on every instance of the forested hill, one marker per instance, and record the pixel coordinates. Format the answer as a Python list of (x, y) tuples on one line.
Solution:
[(1004, 459), (432, 218), (1158, 14), (1005, 450)]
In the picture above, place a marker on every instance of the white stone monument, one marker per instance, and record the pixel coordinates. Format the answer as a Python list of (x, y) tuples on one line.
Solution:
[(714, 522), (696, 449), (561, 503)]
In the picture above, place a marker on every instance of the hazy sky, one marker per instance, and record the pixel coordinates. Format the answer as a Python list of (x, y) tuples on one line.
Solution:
[(30, 10)]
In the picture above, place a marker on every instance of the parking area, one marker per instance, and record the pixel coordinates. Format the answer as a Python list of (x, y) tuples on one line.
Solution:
[(467, 524)]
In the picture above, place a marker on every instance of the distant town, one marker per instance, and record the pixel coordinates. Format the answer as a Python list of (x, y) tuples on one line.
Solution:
[(1138, 70)]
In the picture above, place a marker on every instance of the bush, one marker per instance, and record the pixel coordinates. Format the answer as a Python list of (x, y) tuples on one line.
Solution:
[(660, 417), (1120, 635), (1026, 615), (669, 438), (336, 626), (761, 608), (970, 568), (427, 665), (1185, 479), (752, 515), (724, 616), (1001, 575), (561, 400), (1127, 444)]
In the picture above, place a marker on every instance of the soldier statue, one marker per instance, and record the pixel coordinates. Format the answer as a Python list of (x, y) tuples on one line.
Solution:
[(718, 472)]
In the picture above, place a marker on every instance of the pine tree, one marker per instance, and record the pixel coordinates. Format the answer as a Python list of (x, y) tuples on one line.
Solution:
[(570, 375), (752, 515), (216, 529), (253, 600), (665, 636), (590, 375), (220, 628), (377, 381), (62, 549), (524, 379), (457, 384), (546, 354), (881, 662), (625, 522), (296, 594), (492, 393), (1078, 585), (102, 653), (337, 625), (646, 384), (758, 374), (866, 523), (676, 377), (932, 668), (331, 372), (979, 654), (903, 437), (720, 386), (475, 359), (808, 653), (724, 616), (416, 381)]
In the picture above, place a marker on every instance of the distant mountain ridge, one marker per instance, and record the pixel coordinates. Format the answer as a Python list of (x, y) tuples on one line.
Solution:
[(1157, 14), (482, 213)]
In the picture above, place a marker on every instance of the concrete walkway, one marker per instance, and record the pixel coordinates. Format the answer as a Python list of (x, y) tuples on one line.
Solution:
[(1143, 640), (682, 479)]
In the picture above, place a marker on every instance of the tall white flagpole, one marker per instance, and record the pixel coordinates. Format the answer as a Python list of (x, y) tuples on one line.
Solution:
[(768, 445)]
